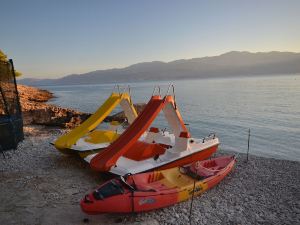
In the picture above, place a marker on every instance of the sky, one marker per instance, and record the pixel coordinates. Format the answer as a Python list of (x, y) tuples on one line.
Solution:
[(50, 39)]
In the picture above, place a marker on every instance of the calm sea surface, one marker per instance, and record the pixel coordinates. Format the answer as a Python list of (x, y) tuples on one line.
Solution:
[(269, 106)]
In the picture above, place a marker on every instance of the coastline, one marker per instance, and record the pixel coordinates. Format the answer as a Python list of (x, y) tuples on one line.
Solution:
[(36, 110), (42, 186)]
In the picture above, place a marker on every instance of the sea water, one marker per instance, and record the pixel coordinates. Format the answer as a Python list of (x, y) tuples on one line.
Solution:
[(269, 106)]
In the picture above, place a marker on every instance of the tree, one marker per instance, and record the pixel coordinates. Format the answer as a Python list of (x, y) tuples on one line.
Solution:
[(3, 58)]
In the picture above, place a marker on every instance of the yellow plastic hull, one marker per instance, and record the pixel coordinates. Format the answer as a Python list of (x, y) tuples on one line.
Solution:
[(65, 142)]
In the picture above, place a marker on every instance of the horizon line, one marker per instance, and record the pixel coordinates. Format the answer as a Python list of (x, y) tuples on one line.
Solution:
[(161, 61)]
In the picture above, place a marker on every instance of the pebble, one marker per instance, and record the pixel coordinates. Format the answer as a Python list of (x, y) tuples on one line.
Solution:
[(262, 191)]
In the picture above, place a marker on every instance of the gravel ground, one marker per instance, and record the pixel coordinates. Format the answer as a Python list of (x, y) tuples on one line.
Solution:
[(41, 186)]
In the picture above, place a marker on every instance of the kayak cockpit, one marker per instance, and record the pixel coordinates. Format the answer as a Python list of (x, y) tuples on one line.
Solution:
[(207, 168), (109, 189)]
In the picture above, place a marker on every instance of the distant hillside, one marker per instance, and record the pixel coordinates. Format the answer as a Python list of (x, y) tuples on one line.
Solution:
[(226, 65)]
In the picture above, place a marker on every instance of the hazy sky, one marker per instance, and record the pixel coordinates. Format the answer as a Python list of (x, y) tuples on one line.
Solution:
[(55, 38)]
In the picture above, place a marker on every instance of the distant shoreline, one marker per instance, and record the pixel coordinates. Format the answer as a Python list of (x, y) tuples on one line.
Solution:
[(230, 64), (170, 81)]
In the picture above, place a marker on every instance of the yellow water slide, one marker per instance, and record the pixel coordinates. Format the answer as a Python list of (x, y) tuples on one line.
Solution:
[(66, 141)]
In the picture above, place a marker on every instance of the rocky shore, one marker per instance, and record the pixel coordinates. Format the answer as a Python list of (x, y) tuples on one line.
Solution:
[(39, 185), (36, 110)]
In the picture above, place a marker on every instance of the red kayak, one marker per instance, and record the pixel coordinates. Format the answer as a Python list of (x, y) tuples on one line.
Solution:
[(157, 189)]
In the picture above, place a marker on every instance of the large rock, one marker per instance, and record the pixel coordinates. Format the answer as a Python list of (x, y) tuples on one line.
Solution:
[(32, 95), (54, 116)]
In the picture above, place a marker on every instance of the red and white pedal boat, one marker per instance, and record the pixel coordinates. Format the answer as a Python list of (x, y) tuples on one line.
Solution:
[(158, 150)]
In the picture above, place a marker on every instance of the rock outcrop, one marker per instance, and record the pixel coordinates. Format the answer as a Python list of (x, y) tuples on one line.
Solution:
[(35, 110)]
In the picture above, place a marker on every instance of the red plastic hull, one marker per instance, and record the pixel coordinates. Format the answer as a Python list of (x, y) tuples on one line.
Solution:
[(143, 200)]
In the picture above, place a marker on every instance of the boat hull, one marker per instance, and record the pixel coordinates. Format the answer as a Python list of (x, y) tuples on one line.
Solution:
[(197, 156), (148, 165), (159, 194)]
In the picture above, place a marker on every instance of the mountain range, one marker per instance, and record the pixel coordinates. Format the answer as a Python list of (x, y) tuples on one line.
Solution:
[(231, 64)]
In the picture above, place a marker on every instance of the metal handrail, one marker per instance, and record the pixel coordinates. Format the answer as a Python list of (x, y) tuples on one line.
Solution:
[(210, 136), (118, 88), (127, 87), (156, 87), (174, 97)]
